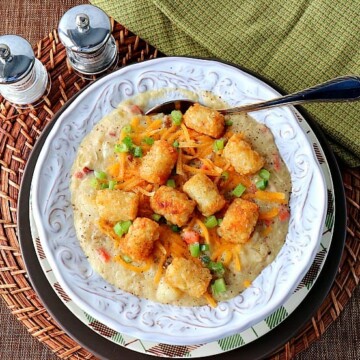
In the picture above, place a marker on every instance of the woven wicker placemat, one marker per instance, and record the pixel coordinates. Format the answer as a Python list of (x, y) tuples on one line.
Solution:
[(18, 133)]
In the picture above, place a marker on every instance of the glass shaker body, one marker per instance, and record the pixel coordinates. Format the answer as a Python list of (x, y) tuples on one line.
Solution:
[(23, 78)]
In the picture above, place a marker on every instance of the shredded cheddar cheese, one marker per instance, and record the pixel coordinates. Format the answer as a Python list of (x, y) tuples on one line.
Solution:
[(247, 283), (138, 269), (270, 214), (204, 231), (268, 196), (211, 301), (236, 255), (196, 154)]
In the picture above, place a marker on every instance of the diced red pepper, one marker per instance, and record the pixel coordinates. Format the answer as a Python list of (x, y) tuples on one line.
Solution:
[(284, 213), (190, 236), (104, 255)]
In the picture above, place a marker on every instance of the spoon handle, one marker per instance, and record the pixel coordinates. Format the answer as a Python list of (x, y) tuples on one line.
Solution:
[(344, 88)]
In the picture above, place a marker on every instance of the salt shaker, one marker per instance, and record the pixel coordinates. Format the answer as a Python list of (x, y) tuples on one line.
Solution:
[(23, 78), (85, 31)]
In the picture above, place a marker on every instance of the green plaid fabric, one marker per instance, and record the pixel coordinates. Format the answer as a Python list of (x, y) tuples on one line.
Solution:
[(294, 43)]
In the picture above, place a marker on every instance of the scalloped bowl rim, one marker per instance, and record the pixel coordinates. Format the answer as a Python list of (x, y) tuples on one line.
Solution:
[(152, 328)]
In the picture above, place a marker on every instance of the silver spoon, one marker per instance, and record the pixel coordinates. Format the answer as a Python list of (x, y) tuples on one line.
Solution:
[(344, 88)]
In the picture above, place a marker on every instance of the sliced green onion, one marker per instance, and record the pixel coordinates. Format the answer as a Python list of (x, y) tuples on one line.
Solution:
[(239, 190), (127, 259), (121, 148), (156, 217), (228, 122), (112, 184), (175, 228), (264, 174), (148, 140), (225, 175), (138, 151), (218, 286), (127, 129), (205, 259), (176, 117), (122, 227), (101, 175), (194, 249), (217, 267), (104, 186), (94, 183), (218, 145), (171, 183), (176, 143), (261, 184), (204, 247), (128, 142), (219, 221), (210, 222)]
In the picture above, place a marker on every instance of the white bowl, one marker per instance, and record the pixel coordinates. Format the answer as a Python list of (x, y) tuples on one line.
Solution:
[(146, 319)]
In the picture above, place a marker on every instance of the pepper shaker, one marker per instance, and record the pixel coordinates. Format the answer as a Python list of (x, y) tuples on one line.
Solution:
[(23, 78), (85, 31)]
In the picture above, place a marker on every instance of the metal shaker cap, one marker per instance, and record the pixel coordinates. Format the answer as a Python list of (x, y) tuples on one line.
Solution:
[(16, 58), (84, 29)]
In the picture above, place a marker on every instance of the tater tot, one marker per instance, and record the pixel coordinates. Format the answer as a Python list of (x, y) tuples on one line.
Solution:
[(205, 120), (138, 243), (188, 276), (239, 221), (174, 205), (157, 164), (117, 205), (206, 194), (242, 157)]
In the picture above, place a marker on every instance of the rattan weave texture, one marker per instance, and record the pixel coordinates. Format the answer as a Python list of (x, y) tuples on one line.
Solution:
[(18, 133)]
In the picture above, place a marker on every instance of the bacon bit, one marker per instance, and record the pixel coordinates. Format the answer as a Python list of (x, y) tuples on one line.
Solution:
[(86, 170), (112, 133), (136, 110), (264, 129), (130, 157), (104, 255), (252, 189), (190, 236), (79, 175), (277, 163), (167, 121), (284, 213), (267, 222), (204, 167)]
